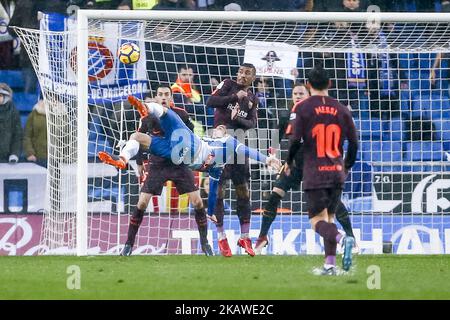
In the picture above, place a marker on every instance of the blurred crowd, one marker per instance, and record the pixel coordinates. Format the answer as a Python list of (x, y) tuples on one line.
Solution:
[(24, 13), (194, 79)]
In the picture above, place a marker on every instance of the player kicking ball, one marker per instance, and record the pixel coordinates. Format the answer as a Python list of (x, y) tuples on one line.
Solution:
[(159, 171), (182, 146), (321, 125)]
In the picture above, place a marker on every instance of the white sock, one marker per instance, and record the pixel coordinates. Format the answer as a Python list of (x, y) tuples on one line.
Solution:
[(130, 150), (221, 235), (155, 108), (244, 235)]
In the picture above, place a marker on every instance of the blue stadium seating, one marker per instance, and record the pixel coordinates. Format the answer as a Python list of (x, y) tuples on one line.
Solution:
[(405, 102), (25, 102), (423, 151), (393, 130), (97, 140), (359, 180), (369, 129), (442, 129), (377, 151), (369, 148), (364, 104), (419, 81), (23, 120), (108, 191), (426, 60), (408, 61), (100, 145), (431, 106), (13, 78)]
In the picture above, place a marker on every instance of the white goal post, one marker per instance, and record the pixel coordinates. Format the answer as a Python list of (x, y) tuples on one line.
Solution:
[(337, 38)]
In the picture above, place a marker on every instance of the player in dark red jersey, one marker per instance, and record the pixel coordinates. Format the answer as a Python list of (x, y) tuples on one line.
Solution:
[(160, 170), (236, 108), (321, 124), (291, 180)]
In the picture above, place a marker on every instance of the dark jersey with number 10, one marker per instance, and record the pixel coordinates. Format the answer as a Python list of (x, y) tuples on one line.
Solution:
[(322, 123)]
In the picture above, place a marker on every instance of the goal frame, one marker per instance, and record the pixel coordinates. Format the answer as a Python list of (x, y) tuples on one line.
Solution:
[(82, 66)]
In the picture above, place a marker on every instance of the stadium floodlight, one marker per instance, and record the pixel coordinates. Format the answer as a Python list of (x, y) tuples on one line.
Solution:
[(379, 62)]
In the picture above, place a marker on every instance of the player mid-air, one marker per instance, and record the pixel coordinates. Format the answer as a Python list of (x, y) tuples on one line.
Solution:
[(181, 145), (159, 170)]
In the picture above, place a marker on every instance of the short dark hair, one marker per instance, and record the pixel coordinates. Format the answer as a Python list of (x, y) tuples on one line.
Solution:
[(163, 85), (318, 78), (249, 65), (185, 67), (300, 84)]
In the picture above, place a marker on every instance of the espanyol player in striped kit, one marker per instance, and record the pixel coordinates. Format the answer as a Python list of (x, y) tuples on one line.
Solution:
[(182, 146)]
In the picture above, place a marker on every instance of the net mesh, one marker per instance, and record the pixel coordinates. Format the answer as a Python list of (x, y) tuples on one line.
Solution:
[(308, 36), (401, 115)]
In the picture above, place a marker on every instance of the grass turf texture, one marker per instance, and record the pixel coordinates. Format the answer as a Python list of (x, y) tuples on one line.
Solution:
[(239, 277)]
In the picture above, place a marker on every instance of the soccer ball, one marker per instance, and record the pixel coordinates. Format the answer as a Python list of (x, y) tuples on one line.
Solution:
[(129, 53)]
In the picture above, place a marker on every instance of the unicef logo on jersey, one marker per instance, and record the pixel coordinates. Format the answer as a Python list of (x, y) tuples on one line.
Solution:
[(100, 61)]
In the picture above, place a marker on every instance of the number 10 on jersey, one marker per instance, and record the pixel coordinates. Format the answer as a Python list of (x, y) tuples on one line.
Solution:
[(327, 140)]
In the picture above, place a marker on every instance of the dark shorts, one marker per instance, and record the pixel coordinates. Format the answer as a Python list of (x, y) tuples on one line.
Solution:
[(319, 199), (238, 173), (158, 175), (289, 182)]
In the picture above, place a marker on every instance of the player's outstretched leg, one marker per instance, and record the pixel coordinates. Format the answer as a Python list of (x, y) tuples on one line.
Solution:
[(139, 105), (137, 140), (112, 160)]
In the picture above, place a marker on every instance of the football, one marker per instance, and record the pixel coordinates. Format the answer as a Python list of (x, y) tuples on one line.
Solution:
[(129, 53)]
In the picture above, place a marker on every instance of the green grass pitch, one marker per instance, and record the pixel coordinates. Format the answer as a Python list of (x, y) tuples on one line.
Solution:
[(239, 277)]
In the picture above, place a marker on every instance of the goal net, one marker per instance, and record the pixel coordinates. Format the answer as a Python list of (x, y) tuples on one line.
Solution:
[(390, 69)]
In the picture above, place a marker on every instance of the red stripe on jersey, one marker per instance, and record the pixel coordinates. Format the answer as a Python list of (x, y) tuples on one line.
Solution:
[(177, 108), (297, 105)]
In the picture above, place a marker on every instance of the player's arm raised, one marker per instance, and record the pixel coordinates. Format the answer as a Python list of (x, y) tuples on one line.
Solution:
[(271, 161), (221, 98)]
